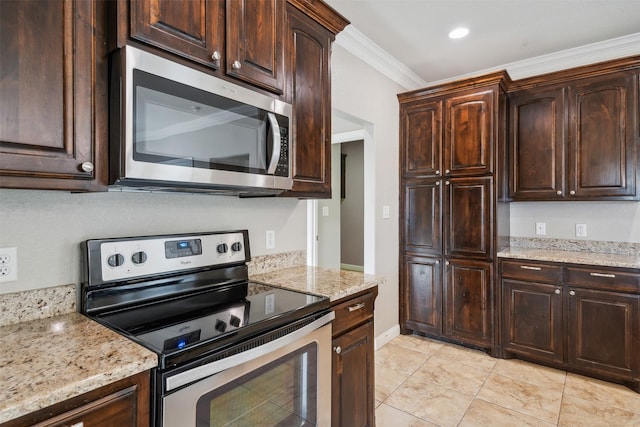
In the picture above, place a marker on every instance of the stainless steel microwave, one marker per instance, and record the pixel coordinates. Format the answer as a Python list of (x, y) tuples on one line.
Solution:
[(174, 128)]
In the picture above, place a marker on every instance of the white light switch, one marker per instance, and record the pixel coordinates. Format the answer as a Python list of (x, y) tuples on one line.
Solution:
[(385, 212), (270, 239), (325, 211), (581, 230)]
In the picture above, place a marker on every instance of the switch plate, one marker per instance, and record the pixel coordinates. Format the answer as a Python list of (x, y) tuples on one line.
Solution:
[(269, 304), (270, 239), (325, 211), (541, 228), (581, 230), (385, 212), (8, 264)]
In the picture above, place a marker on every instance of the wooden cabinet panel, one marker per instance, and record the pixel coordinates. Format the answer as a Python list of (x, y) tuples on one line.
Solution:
[(353, 380), (538, 145), (421, 129), (309, 90), (468, 229), (255, 42), (603, 332), (355, 311), (469, 306), (421, 294), (53, 130), (469, 133), (532, 314), (193, 29), (601, 135), (122, 403), (422, 231)]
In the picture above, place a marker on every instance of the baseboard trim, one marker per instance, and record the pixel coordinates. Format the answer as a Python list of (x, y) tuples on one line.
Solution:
[(352, 267), (387, 336)]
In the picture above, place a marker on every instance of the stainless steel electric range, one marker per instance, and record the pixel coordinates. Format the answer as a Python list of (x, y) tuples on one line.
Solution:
[(230, 351)]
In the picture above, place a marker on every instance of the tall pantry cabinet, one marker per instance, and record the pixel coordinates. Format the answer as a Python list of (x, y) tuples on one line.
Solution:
[(453, 214)]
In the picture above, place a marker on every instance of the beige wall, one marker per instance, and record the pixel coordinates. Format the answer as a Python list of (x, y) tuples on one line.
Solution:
[(362, 92), (48, 226), (352, 206)]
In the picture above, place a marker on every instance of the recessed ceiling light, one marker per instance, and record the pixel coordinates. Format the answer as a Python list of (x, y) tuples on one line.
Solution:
[(459, 33)]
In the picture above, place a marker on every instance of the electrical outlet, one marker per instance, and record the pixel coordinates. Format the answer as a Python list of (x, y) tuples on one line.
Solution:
[(581, 230), (541, 228), (270, 239), (8, 264)]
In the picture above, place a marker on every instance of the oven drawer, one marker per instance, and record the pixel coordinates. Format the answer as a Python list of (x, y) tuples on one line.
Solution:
[(353, 312), (532, 271)]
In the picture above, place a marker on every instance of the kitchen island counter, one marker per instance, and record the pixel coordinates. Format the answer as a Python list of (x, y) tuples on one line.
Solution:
[(332, 283), (50, 360)]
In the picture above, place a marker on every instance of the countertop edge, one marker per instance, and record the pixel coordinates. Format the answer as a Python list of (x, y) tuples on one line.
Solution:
[(572, 257)]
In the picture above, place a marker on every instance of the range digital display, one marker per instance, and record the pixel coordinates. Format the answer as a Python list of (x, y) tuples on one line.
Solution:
[(182, 248)]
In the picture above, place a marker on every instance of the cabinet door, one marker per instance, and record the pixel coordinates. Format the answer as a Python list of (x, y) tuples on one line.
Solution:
[(537, 145), (532, 320), (353, 378), (309, 90), (254, 42), (421, 138), (193, 29), (604, 115), (470, 133), (421, 295), (469, 307), (422, 228), (468, 213), (53, 126), (603, 332)]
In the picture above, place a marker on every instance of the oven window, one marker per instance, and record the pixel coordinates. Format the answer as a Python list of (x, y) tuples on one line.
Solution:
[(180, 125), (281, 393)]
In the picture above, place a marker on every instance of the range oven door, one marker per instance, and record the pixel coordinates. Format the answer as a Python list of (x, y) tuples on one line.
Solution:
[(282, 383)]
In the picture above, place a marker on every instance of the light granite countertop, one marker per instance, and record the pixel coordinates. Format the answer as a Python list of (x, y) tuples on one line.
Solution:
[(335, 284), (573, 257), (50, 360)]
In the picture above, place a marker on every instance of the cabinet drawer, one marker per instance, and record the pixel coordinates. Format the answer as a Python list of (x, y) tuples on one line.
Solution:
[(607, 279), (532, 271), (353, 312)]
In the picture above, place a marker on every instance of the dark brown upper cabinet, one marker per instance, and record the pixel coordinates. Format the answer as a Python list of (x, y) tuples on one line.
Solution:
[(575, 140), (193, 29), (421, 123), (197, 30), (53, 95)]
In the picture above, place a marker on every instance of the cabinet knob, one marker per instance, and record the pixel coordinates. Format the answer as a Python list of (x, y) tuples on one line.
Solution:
[(437, 172), (216, 55), (437, 182), (236, 65), (559, 193), (572, 192), (437, 262), (87, 167), (447, 182), (337, 349), (557, 291), (447, 171), (572, 293), (446, 263)]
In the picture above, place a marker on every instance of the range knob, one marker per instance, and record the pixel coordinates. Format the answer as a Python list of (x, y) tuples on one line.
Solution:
[(222, 248), (115, 260), (234, 321), (139, 257), (221, 326), (236, 247)]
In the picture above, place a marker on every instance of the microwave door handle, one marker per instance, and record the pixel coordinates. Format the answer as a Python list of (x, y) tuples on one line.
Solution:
[(275, 152)]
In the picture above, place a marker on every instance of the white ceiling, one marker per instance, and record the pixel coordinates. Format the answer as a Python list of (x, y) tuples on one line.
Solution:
[(415, 32)]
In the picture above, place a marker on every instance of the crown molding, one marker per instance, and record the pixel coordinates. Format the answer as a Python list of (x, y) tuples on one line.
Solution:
[(364, 48), (361, 46)]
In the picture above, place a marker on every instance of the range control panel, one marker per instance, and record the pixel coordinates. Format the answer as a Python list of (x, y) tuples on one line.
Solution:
[(127, 258)]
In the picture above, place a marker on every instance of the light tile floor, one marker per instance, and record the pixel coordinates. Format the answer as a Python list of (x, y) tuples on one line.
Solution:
[(423, 382)]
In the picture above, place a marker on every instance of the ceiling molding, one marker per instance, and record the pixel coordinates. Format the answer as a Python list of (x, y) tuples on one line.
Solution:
[(364, 48), (361, 46)]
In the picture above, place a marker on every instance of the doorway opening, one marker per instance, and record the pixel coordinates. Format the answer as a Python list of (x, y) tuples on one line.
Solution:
[(341, 230)]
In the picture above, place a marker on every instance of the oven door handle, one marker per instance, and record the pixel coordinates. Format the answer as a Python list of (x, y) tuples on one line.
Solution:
[(195, 374)]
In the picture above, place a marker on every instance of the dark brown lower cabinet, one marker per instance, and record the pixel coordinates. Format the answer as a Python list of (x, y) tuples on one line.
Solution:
[(454, 303), (124, 403), (353, 387), (583, 319)]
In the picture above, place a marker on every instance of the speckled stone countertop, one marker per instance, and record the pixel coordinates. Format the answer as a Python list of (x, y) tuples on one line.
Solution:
[(47, 361), (335, 284), (573, 257)]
